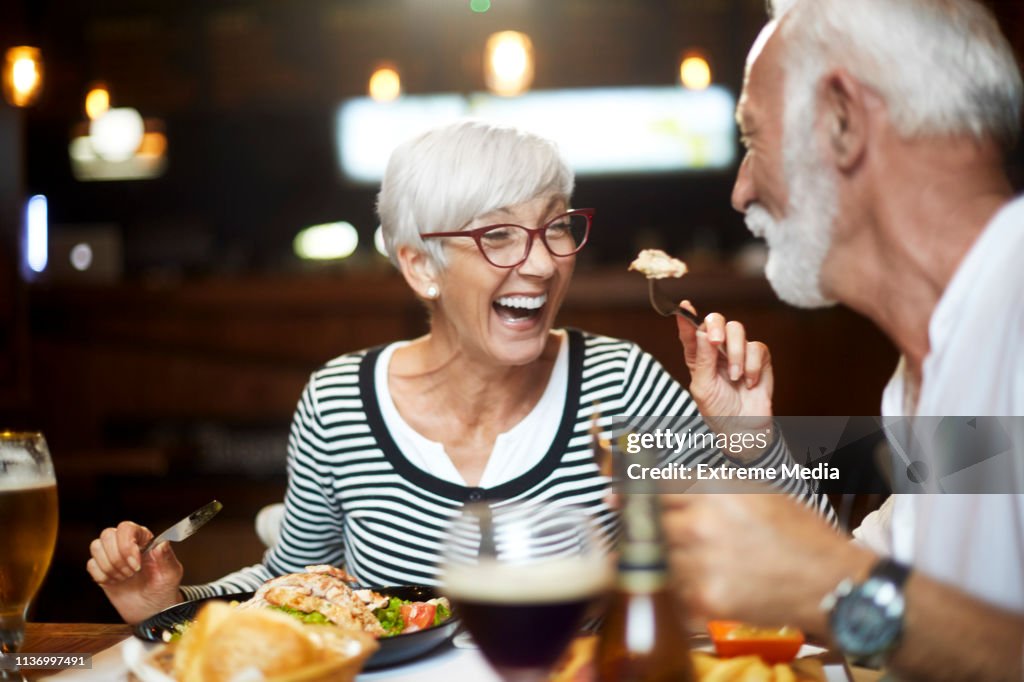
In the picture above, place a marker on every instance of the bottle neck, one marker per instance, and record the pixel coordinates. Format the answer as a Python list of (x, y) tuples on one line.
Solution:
[(643, 566)]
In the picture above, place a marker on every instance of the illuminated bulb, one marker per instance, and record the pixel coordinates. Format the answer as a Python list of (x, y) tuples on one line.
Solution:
[(330, 241), (378, 241), (385, 84), (37, 226), (117, 134), (97, 102), (23, 75), (81, 257), (694, 72), (509, 63)]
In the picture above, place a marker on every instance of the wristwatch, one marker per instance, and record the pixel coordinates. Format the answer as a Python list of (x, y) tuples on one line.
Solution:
[(866, 619)]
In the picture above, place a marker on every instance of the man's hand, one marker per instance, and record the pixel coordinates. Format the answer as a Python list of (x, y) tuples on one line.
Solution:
[(760, 558)]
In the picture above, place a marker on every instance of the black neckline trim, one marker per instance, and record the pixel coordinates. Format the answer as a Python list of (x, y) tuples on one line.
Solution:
[(463, 493)]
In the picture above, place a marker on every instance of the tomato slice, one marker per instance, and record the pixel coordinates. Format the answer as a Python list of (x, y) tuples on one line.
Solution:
[(417, 616)]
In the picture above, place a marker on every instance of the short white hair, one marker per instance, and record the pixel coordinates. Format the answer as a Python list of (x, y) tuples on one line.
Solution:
[(942, 66), (444, 178)]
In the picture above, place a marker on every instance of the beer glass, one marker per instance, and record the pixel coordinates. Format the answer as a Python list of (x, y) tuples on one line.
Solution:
[(522, 577), (28, 531)]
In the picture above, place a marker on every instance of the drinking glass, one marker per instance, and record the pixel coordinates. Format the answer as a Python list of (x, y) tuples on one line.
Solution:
[(28, 533), (522, 577)]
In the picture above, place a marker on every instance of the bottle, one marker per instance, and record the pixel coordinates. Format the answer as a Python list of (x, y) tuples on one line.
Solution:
[(643, 638)]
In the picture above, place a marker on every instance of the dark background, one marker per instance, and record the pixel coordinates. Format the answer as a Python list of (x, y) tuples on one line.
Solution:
[(174, 383)]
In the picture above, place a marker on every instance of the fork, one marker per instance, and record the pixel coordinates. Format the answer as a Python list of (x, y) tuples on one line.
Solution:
[(666, 306)]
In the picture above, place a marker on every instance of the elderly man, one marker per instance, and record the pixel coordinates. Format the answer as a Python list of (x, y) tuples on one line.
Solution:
[(875, 132)]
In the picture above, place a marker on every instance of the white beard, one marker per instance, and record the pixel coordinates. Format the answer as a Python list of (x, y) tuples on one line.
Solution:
[(796, 252), (799, 243)]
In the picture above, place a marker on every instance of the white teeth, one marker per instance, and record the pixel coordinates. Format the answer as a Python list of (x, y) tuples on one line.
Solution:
[(528, 302)]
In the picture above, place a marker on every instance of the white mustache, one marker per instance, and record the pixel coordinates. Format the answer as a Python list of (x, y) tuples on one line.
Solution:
[(758, 220)]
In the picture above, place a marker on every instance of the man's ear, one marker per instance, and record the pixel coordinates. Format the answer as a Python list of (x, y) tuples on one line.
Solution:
[(418, 270), (844, 116)]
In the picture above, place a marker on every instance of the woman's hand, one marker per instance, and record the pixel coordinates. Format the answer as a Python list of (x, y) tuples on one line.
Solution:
[(738, 383), (138, 585)]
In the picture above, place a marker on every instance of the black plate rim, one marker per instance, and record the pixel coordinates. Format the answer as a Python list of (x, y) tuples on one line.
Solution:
[(149, 630)]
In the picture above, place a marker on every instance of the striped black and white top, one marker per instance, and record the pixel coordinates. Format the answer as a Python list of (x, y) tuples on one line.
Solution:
[(353, 498)]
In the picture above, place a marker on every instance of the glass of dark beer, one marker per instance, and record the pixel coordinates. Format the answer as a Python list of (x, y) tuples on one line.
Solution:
[(28, 519), (522, 577)]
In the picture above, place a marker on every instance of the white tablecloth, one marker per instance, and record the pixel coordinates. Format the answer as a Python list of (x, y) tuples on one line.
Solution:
[(445, 664)]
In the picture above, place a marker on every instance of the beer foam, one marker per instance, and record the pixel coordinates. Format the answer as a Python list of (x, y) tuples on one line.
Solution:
[(552, 581), (18, 481)]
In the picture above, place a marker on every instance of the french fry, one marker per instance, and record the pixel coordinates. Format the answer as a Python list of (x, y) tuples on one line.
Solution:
[(732, 669), (783, 673), (703, 663)]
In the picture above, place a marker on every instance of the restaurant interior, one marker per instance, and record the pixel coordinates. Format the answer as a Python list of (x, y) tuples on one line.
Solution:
[(161, 331)]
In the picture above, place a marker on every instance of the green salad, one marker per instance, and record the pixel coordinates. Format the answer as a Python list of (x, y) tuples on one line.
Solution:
[(404, 616)]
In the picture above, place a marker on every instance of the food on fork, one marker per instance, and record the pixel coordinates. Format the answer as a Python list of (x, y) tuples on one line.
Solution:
[(656, 264)]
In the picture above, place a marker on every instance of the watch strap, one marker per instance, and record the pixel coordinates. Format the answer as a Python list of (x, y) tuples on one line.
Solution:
[(890, 570)]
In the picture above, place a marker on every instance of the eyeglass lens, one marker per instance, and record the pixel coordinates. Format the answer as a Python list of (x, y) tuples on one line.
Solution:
[(506, 245)]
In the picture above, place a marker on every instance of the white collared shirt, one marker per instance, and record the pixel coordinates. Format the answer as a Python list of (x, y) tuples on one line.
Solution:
[(975, 368)]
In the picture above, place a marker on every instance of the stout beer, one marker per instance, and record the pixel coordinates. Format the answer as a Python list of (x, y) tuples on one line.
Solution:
[(523, 617)]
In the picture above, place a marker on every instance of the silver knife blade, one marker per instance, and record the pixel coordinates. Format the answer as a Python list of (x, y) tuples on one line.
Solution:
[(187, 526)]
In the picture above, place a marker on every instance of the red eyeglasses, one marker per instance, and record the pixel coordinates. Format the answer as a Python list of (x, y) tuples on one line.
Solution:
[(507, 246)]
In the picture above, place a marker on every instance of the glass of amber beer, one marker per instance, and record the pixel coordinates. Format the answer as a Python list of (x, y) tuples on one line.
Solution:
[(522, 578), (28, 530)]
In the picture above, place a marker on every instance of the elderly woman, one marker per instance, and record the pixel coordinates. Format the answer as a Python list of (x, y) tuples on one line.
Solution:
[(493, 403)]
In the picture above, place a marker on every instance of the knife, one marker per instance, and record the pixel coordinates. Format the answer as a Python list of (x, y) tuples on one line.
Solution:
[(187, 526)]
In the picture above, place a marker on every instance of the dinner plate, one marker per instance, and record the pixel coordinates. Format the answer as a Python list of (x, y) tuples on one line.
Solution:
[(393, 650)]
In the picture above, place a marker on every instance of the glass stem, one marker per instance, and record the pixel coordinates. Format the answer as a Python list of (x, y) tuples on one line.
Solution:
[(12, 631)]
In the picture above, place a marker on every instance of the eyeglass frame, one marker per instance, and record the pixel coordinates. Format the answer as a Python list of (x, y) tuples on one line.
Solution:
[(477, 232)]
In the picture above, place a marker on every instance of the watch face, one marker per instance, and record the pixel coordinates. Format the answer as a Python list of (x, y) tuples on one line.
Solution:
[(869, 619)]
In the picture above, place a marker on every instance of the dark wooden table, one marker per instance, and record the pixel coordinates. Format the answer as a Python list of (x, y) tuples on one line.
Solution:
[(69, 638)]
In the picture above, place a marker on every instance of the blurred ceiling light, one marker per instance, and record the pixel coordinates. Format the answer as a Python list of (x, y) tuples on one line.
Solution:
[(81, 256), (694, 71), (378, 241), (480, 5), (23, 75), (153, 145), (385, 84), (508, 64), (97, 101), (117, 133), (329, 241), (37, 228)]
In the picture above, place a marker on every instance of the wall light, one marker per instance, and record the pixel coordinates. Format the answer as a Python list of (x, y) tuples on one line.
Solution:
[(117, 133), (37, 229), (385, 84), (508, 63), (329, 241), (97, 101), (23, 75), (694, 71)]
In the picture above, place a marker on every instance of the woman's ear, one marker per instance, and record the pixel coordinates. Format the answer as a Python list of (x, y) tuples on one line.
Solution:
[(419, 272), (843, 107)]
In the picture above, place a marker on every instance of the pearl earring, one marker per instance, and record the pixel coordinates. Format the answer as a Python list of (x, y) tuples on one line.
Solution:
[(432, 292)]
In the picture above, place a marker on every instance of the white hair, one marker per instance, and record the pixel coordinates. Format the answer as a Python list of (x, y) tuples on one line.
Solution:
[(942, 66), (442, 179)]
